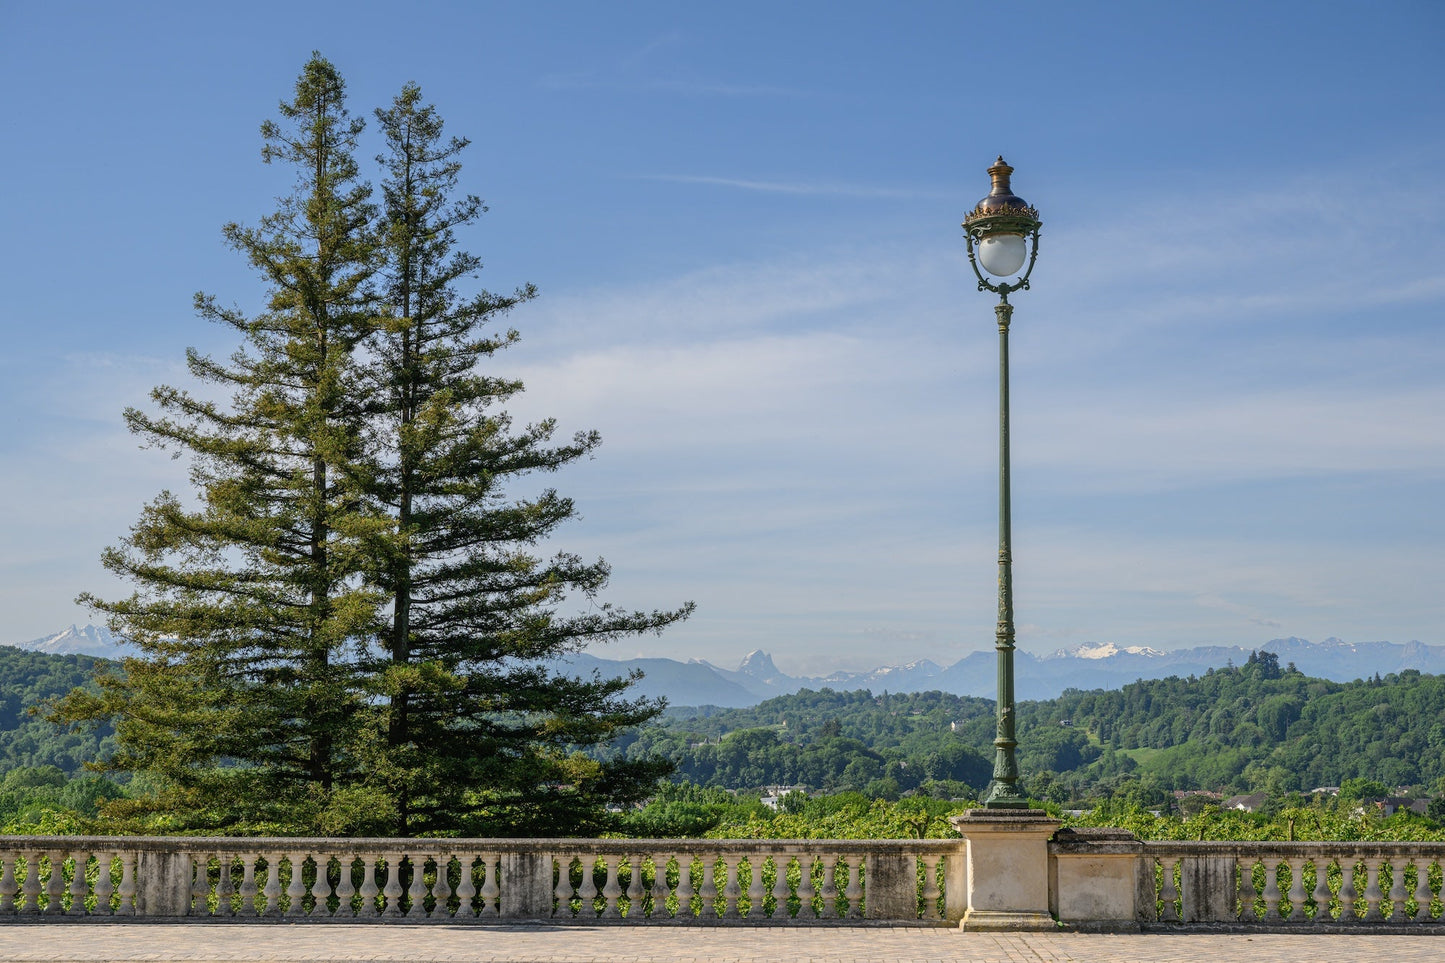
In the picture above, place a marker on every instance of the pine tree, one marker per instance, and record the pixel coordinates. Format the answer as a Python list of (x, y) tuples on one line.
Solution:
[(475, 733), (249, 603), (348, 631)]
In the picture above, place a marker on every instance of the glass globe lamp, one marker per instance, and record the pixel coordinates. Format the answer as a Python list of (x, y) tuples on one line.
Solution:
[(1004, 230)]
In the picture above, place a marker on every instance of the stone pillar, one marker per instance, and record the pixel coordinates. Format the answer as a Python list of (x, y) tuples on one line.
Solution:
[(163, 884), (1008, 868), (892, 886), (1209, 889), (527, 885), (1094, 879)]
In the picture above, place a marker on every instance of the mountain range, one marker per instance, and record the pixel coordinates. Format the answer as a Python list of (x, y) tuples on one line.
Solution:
[(1089, 666)]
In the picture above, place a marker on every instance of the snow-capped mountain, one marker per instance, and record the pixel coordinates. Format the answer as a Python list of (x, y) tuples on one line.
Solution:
[(1091, 665), (91, 640), (1101, 650)]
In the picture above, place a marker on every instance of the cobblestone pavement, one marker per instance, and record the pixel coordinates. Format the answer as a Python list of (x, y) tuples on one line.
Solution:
[(281, 943)]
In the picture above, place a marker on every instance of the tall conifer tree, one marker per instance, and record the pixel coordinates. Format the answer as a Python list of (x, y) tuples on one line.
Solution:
[(249, 602), (475, 732)]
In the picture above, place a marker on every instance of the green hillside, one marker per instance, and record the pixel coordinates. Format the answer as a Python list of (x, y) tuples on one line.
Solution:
[(1240, 729), (28, 679)]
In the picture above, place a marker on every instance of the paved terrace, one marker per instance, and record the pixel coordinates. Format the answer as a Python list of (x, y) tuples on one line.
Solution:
[(534, 943)]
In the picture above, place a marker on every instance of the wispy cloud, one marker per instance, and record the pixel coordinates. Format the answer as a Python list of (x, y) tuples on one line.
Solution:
[(683, 87), (806, 188)]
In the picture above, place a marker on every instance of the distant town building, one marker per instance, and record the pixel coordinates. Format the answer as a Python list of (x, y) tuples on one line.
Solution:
[(1250, 803)]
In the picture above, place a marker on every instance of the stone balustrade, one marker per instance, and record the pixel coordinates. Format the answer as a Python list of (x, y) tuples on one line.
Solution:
[(638, 881), (1037, 876), (1279, 884)]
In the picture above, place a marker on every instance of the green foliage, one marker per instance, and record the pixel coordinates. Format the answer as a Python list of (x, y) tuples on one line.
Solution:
[(686, 810), (42, 800), (32, 679), (1359, 788), (1321, 822), (829, 741)]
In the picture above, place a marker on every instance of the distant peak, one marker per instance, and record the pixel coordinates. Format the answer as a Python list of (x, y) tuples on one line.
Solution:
[(1103, 650), (757, 662)]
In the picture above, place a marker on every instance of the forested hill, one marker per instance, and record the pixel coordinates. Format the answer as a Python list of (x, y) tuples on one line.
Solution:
[(1240, 729), (28, 679), (1248, 728)]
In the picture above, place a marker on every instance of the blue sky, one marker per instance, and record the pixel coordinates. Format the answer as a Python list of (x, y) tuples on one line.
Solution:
[(1229, 414)]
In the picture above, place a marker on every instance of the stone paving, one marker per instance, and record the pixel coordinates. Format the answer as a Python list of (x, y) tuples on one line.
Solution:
[(83, 942)]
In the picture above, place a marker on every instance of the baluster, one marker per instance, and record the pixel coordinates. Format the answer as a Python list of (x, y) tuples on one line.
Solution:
[(443, 890), (1322, 895), (806, 894), (225, 886), (781, 859), (1398, 892), (732, 889), (8, 884), (1374, 896), (757, 892), (931, 890), (346, 885), (1297, 894), (708, 893), (1168, 893), (392, 890), (296, 888), (1271, 889), (247, 885), (588, 891), (466, 889), (55, 885), (563, 892), (369, 891), (830, 887), (272, 889), (30, 889), (611, 890), (127, 884), (1423, 895), (104, 885), (1248, 897), (660, 890), (635, 892), (491, 885), (320, 889), (439, 890), (684, 887), (1348, 894), (79, 888), (854, 891), (416, 892), (200, 884)]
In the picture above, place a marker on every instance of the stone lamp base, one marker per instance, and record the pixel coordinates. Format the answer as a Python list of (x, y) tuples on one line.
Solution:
[(1008, 876)]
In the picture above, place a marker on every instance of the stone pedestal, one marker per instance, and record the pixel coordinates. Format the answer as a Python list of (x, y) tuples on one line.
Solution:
[(1008, 868), (1096, 879)]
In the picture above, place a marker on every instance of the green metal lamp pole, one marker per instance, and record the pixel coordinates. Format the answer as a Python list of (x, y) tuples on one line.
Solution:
[(1004, 230)]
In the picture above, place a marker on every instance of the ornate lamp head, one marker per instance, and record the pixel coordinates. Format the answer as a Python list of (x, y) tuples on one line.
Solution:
[(1006, 231)]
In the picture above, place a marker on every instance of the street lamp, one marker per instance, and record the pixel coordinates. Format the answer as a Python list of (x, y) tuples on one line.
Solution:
[(1002, 231)]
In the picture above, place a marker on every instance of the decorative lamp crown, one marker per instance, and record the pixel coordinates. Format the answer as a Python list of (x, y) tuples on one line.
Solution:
[(1002, 211), (1000, 226)]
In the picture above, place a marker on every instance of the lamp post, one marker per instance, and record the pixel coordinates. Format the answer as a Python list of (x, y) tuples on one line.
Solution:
[(1002, 231)]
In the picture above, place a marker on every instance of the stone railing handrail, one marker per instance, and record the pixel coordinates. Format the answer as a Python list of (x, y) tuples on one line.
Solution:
[(1249, 847), (629, 880)]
